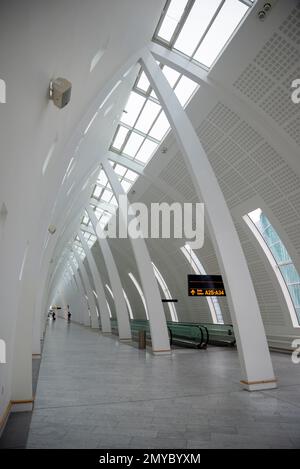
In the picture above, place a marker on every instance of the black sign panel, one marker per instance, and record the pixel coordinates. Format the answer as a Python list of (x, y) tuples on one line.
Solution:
[(206, 285)]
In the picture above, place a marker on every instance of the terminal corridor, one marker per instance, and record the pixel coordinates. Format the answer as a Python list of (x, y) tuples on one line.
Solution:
[(149, 225), (95, 392)]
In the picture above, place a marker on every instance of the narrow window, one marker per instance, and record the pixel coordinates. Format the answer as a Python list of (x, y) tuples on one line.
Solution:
[(278, 256), (166, 292), (137, 286)]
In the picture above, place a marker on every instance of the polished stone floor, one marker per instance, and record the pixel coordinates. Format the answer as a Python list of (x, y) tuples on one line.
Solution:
[(95, 392), (17, 428)]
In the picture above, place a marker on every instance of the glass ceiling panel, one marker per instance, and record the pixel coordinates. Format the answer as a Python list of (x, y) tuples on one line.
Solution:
[(114, 201), (120, 137), (160, 127), (153, 94), (195, 25), (146, 151), (126, 185), (134, 142), (132, 108), (102, 179), (203, 31), (147, 116), (98, 213), (171, 75), (184, 90), (171, 19), (223, 27), (143, 83), (106, 196), (131, 175), (120, 170), (97, 192)]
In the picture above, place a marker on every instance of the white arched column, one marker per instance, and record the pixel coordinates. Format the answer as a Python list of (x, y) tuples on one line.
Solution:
[(114, 278), (89, 291), (73, 297), (104, 313), (157, 318), (84, 317), (87, 318), (257, 369)]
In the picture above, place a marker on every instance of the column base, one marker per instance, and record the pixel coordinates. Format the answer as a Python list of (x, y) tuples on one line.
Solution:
[(162, 352), (259, 385), (22, 406), (36, 356)]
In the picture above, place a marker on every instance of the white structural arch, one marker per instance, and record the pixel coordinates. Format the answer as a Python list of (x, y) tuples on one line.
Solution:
[(231, 143)]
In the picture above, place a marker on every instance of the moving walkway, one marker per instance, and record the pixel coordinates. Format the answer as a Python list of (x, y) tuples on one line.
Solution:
[(187, 334)]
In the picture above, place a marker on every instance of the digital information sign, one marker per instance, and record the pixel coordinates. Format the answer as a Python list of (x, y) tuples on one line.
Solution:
[(206, 285)]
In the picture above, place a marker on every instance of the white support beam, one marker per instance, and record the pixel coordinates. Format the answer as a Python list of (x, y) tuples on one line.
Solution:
[(104, 206), (87, 229), (179, 63), (115, 282), (157, 318), (104, 313), (89, 291), (85, 317), (254, 355), (81, 315), (247, 111), (127, 162)]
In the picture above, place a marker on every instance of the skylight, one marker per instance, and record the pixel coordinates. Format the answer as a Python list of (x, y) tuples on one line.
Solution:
[(79, 250), (144, 124), (171, 19), (90, 238), (132, 108), (200, 29)]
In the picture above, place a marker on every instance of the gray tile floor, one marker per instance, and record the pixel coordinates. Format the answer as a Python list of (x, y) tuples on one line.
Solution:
[(17, 428), (95, 392)]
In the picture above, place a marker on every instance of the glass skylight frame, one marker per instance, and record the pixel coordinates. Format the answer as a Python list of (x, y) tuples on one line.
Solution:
[(149, 96), (170, 44), (258, 232)]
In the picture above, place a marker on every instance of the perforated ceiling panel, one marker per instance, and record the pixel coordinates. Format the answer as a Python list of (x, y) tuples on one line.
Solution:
[(290, 27), (254, 83), (246, 165), (267, 80), (175, 174)]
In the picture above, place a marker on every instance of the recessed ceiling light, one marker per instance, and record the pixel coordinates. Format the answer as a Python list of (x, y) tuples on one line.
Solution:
[(90, 123), (99, 54), (95, 60), (110, 93), (48, 157), (2, 91), (107, 111)]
